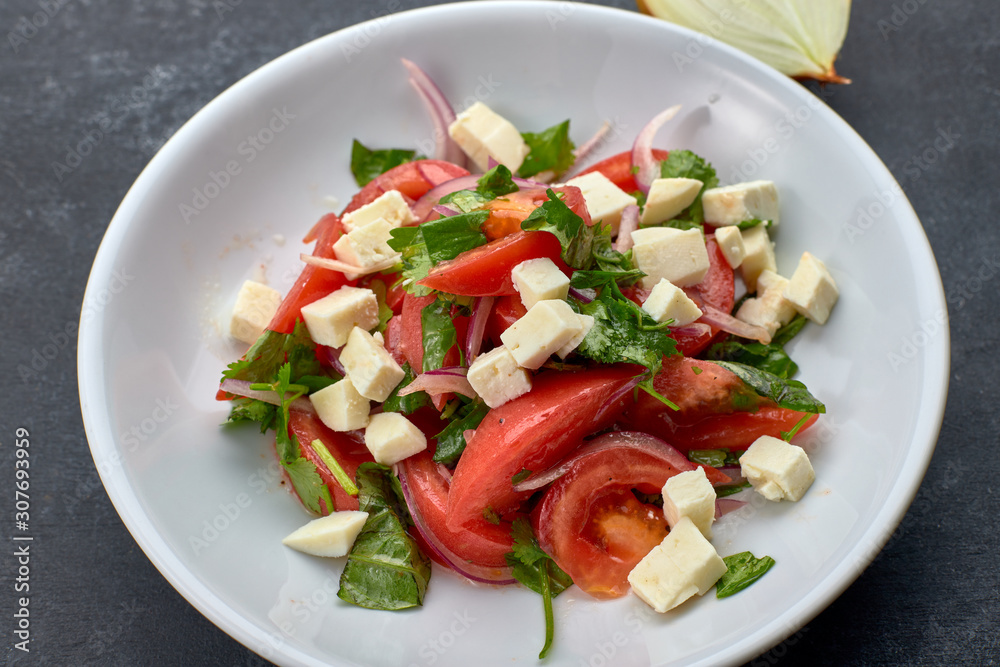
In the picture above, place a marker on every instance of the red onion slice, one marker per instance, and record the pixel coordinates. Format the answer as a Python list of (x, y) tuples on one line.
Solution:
[(426, 204), (642, 149), (694, 330), (724, 506), (629, 223), (332, 356), (437, 384), (584, 151), (242, 388), (460, 371), (585, 295), (720, 320), (441, 112), (477, 327), (445, 211), (484, 575), (344, 267)]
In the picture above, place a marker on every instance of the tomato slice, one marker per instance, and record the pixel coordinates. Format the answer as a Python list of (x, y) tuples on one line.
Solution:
[(716, 408), (412, 179), (350, 452), (485, 271), (618, 169), (592, 524), (506, 310), (532, 432)]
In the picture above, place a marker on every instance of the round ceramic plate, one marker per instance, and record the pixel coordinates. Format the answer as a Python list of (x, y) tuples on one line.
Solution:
[(259, 164)]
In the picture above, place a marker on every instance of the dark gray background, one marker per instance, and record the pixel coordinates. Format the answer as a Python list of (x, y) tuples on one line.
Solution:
[(920, 67)]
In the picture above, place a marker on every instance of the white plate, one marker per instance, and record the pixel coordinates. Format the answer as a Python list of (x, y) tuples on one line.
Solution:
[(152, 347)]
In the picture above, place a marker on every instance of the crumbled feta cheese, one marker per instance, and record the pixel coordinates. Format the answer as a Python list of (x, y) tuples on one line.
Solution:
[(605, 200), (482, 133), (255, 305), (497, 378), (366, 246), (667, 197), (371, 369), (331, 319), (759, 255), (812, 290), (543, 330), (668, 302), (776, 469), (733, 204), (678, 255), (690, 494), (341, 407), (683, 565), (330, 536), (538, 280), (730, 241), (391, 437), (769, 309), (389, 206)]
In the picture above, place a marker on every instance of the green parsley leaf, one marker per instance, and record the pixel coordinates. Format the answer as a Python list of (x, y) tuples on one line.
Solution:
[(599, 279), (410, 403), (465, 200), (409, 242), (271, 351), (730, 489), (624, 332), (536, 570), (771, 358), (743, 570), (308, 484), (786, 333), (790, 394), (439, 333), (549, 150), (366, 164), (496, 182), (252, 410), (753, 222), (685, 164), (451, 441), (435, 241), (556, 217), (385, 568)]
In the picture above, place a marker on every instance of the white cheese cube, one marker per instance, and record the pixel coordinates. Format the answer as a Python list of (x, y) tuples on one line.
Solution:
[(366, 246), (331, 319), (341, 407), (391, 437), (668, 302), (389, 206), (759, 255), (539, 279), (605, 200), (732, 204), (255, 306), (482, 133), (329, 536), (544, 329), (497, 378), (683, 565), (586, 324), (667, 198), (371, 369), (812, 290), (690, 494), (730, 241), (769, 309), (678, 255), (776, 469)]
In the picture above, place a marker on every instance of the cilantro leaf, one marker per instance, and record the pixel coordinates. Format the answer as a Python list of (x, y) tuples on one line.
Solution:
[(366, 163), (411, 402), (623, 332), (451, 441), (496, 182), (743, 570), (685, 164), (435, 241), (536, 570), (598, 279), (771, 358), (308, 484), (790, 394), (409, 242), (556, 217), (252, 410), (753, 222), (549, 150), (385, 568), (271, 351), (439, 333), (465, 200)]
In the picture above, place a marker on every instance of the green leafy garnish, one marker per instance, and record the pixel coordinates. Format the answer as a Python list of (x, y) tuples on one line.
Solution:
[(439, 334), (771, 358), (252, 410), (623, 332), (496, 182), (465, 201), (753, 222), (729, 489), (334, 467), (790, 394), (435, 241), (743, 570), (271, 351), (451, 441), (717, 458), (411, 402), (549, 150), (308, 484), (685, 164), (491, 515), (536, 570), (556, 217), (598, 279), (385, 568), (366, 163)]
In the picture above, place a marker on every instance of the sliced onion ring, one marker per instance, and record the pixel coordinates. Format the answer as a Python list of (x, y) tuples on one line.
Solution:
[(425, 205), (477, 327), (242, 388), (642, 149), (629, 223), (440, 110), (437, 384), (720, 320)]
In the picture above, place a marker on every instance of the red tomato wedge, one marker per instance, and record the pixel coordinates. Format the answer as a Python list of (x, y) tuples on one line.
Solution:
[(349, 453), (412, 179), (477, 551), (618, 169), (716, 408), (532, 432), (485, 271), (589, 520), (506, 311), (507, 212)]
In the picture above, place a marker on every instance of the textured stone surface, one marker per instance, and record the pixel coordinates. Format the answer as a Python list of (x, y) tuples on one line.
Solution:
[(136, 71)]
